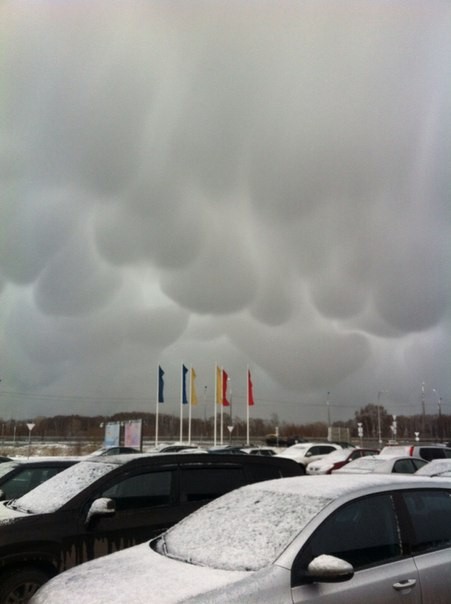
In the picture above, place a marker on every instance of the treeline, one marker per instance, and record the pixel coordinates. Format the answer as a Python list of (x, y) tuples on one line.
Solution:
[(375, 420)]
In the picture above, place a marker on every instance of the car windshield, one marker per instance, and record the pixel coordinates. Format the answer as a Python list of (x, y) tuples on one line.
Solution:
[(263, 521), (57, 491), (7, 466), (434, 468)]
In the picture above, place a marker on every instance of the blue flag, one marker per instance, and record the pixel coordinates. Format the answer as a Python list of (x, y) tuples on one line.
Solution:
[(160, 385), (184, 396)]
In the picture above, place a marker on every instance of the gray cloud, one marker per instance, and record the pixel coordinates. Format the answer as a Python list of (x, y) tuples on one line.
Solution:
[(263, 186)]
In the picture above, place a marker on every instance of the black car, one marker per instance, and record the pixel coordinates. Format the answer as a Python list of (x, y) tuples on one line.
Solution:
[(104, 504), (19, 477)]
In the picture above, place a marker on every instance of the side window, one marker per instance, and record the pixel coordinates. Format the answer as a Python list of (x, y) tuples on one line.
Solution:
[(204, 484), (142, 490), (429, 453), (364, 533), (325, 449), (404, 466), (430, 513), (315, 450)]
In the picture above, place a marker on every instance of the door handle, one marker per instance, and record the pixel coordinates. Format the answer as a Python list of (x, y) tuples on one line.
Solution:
[(406, 584)]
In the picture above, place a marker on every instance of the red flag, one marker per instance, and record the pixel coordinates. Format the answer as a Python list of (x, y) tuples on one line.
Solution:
[(250, 389), (225, 379)]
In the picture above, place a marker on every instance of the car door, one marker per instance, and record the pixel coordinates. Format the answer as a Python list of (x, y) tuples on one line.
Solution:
[(145, 506), (430, 515), (365, 533)]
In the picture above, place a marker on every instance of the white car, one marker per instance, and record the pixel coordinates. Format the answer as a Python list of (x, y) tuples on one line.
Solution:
[(383, 464), (305, 453), (436, 467), (337, 459), (309, 539)]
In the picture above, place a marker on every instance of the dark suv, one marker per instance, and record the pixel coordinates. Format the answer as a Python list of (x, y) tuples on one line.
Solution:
[(104, 504)]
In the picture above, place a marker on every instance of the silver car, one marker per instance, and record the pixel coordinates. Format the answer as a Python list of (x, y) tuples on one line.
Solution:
[(323, 539)]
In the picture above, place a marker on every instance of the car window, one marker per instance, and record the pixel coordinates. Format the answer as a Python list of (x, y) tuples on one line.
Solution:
[(404, 466), (325, 449), (430, 513), (315, 450), (147, 489), (364, 533), (198, 484), (429, 453), (26, 480)]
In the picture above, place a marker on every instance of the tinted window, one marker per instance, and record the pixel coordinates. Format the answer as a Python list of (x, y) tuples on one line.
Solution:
[(364, 533), (430, 512), (432, 453), (198, 484), (404, 466), (143, 490)]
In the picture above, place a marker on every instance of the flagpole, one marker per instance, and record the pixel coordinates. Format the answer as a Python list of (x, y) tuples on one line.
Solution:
[(157, 405), (181, 404), (215, 402), (247, 407), (190, 403)]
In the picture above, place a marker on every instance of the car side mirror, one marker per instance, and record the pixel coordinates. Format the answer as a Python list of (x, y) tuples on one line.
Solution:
[(104, 506), (329, 569)]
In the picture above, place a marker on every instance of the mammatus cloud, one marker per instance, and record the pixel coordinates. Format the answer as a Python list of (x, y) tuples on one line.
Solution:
[(265, 186)]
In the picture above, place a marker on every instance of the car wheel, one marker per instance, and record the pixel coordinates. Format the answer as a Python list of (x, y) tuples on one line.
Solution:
[(301, 469), (17, 587)]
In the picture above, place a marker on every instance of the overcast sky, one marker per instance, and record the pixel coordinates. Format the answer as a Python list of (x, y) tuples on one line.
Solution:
[(262, 184)]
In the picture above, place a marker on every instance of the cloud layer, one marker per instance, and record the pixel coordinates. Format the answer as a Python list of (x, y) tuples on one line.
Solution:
[(224, 182)]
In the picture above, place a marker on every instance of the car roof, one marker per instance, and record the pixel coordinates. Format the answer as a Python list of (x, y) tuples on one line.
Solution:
[(32, 461), (339, 485), (185, 458)]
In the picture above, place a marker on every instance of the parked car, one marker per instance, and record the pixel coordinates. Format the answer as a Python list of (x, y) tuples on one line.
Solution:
[(115, 451), (19, 477), (382, 464), (305, 453), (108, 503), (427, 452), (337, 459), (267, 451), (436, 467), (372, 539)]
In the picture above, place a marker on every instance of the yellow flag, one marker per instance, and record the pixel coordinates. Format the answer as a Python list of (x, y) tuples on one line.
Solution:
[(218, 385), (193, 395)]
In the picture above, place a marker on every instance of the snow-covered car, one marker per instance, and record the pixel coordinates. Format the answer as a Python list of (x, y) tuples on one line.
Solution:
[(305, 453), (337, 459), (107, 503), (382, 464), (322, 539), (436, 467)]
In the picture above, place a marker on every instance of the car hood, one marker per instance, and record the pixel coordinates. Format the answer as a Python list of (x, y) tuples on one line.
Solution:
[(134, 575)]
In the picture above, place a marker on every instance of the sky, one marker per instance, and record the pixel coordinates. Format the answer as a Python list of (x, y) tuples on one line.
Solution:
[(262, 184)]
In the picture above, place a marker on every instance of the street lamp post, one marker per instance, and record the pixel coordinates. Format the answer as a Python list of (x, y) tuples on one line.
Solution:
[(439, 417)]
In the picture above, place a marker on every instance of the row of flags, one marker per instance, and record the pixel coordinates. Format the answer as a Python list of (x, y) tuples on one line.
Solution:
[(188, 385)]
